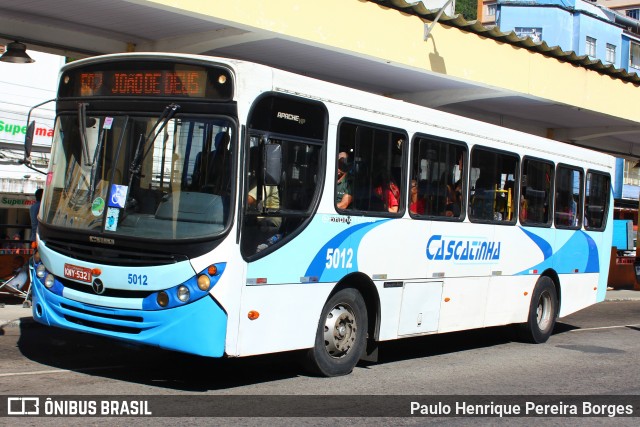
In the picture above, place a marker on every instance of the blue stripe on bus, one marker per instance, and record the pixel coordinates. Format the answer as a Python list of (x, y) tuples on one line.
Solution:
[(544, 246), (579, 252), (346, 239)]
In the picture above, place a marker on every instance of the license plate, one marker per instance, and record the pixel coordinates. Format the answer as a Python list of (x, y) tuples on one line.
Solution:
[(77, 273)]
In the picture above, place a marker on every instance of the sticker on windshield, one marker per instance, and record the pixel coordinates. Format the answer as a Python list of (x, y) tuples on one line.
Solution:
[(97, 206), (108, 121), (118, 196), (112, 219)]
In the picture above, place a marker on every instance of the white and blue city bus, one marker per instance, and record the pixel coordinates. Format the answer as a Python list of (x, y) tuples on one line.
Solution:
[(224, 209)]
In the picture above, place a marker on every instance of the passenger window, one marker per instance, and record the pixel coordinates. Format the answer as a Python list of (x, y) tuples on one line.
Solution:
[(596, 200), (437, 172), (535, 197), (568, 200), (369, 169), (492, 190)]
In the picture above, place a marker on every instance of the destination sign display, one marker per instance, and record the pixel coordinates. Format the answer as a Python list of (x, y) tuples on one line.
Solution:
[(147, 79)]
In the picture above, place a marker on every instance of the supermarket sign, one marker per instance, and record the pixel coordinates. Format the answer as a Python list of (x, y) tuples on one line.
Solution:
[(16, 201), (15, 131)]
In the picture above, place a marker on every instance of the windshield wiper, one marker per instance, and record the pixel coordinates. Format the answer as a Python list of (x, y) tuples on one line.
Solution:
[(140, 154), (88, 161), (82, 127), (94, 163)]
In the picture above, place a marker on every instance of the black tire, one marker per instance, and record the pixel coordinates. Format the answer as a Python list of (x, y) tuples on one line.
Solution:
[(543, 312), (341, 336)]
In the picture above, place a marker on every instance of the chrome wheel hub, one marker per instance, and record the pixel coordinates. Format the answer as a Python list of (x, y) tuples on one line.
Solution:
[(340, 329)]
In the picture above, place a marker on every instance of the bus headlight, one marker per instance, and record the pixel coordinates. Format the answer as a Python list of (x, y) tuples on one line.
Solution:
[(183, 293), (40, 271), (204, 282), (49, 281), (163, 299)]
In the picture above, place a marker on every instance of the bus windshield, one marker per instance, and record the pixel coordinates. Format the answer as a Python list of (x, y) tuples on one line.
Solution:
[(156, 177)]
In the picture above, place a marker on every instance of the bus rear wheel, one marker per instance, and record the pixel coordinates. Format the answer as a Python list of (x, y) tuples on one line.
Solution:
[(543, 311), (341, 335)]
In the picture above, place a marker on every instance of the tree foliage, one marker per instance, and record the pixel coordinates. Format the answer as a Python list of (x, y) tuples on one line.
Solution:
[(468, 9)]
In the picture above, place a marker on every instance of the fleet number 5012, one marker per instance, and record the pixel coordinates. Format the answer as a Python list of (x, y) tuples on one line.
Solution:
[(137, 279), (339, 258)]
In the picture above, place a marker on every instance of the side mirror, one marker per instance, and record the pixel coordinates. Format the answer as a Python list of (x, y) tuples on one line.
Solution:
[(31, 128), (272, 164), (28, 141)]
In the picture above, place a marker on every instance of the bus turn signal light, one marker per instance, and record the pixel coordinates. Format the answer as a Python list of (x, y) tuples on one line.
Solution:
[(204, 282), (253, 315), (212, 270), (96, 272)]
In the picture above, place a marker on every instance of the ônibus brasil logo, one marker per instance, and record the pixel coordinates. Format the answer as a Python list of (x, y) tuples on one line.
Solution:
[(444, 248)]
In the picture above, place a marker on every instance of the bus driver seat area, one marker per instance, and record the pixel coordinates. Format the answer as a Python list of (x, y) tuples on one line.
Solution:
[(211, 172)]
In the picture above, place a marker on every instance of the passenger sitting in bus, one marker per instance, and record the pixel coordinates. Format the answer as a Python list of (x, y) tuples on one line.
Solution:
[(343, 185), (566, 210), (454, 199), (211, 170), (388, 192), (270, 200), (524, 205), (418, 202), (483, 197)]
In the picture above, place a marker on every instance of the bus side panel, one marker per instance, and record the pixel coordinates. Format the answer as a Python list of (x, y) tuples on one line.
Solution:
[(522, 258), (578, 291), (390, 310), (576, 260), (288, 320), (508, 299), (463, 303)]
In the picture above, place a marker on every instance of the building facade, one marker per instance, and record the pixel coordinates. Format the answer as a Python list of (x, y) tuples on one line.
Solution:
[(608, 31), (23, 86)]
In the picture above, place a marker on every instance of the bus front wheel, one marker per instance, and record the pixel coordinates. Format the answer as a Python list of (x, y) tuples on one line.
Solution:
[(341, 335), (543, 311)]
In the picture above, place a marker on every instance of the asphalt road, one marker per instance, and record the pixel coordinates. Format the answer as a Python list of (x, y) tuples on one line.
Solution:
[(592, 352)]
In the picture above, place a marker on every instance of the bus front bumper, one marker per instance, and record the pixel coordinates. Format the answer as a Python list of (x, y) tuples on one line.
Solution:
[(197, 328)]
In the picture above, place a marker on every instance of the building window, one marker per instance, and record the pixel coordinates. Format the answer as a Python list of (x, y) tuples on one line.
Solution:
[(633, 13), (534, 33), (591, 47), (611, 53), (631, 173), (491, 9), (634, 55)]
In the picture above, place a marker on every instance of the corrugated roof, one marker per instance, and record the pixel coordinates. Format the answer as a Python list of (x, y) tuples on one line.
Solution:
[(418, 8)]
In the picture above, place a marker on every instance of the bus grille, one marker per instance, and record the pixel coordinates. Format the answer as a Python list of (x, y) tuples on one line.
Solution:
[(102, 326), (117, 293), (92, 253)]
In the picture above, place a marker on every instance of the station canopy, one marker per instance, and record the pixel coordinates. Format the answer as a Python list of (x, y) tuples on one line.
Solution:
[(378, 46)]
